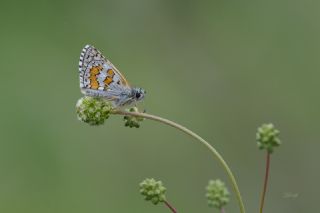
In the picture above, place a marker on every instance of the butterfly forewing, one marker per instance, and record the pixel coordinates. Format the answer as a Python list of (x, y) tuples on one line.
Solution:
[(96, 72)]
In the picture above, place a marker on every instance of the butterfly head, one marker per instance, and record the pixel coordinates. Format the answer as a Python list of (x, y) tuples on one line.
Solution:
[(138, 93)]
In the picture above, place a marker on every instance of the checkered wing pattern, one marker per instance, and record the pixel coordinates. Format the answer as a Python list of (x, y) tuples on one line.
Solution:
[(98, 73)]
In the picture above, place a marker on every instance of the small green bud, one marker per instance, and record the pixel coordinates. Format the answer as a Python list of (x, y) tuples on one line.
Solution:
[(267, 137), (93, 111), (153, 190), (132, 121), (217, 194)]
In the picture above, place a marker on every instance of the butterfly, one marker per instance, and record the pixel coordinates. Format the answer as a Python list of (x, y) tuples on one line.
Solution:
[(100, 78)]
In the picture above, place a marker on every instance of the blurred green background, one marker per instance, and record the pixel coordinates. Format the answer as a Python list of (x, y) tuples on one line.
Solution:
[(221, 68)]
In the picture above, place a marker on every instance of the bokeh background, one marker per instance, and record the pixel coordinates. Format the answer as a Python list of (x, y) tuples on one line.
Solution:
[(221, 68)]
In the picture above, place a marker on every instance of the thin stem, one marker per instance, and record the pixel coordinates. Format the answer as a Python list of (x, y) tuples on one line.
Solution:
[(197, 137), (222, 210), (170, 206), (266, 177)]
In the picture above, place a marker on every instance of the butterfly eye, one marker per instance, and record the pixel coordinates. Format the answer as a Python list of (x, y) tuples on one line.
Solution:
[(138, 95)]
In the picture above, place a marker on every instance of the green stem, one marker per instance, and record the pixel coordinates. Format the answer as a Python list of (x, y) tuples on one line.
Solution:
[(265, 184), (197, 137), (172, 209)]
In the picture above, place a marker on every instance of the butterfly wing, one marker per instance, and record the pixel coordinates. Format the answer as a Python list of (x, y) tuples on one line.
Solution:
[(97, 74)]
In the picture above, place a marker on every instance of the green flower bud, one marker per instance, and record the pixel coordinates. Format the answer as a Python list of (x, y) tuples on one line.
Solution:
[(93, 111), (132, 121), (153, 190), (267, 137), (217, 194)]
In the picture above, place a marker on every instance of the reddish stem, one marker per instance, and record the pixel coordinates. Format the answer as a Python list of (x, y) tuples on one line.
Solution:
[(266, 177), (222, 210), (170, 207)]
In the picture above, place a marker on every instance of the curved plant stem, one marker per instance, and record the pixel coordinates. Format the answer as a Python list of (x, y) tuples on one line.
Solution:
[(197, 137), (266, 177), (170, 206)]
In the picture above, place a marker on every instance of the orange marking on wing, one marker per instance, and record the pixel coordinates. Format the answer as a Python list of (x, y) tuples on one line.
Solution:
[(94, 71), (108, 80), (94, 85), (110, 72)]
